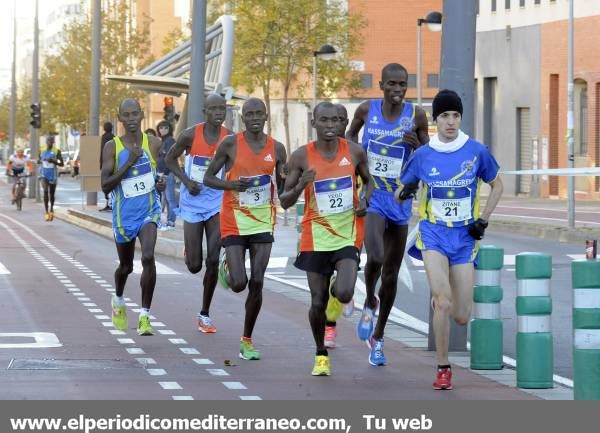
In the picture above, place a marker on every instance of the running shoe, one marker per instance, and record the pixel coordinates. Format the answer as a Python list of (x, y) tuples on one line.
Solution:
[(119, 315), (205, 324), (330, 334), (364, 329), (223, 270), (247, 351), (376, 357), (334, 306), (51, 215), (348, 308), (144, 326), (47, 216), (322, 366), (443, 379)]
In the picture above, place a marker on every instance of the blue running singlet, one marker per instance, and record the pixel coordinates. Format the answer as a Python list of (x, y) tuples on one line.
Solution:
[(387, 156), (207, 203), (136, 201)]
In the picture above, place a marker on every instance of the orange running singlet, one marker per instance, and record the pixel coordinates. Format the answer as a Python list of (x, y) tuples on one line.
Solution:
[(329, 222), (252, 211)]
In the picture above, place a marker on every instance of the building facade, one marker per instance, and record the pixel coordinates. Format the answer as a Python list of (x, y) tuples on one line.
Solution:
[(522, 85)]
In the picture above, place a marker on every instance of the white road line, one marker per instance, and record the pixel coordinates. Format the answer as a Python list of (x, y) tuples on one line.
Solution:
[(158, 324), (116, 332), (135, 351), (89, 304), (217, 372), (234, 385), (125, 341), (177, 341), (160, 268), (183, 397), (189, 351), (166, 332), (146, 361), (156, 371), (94, 310), (203, 361), (170, 385), (102, 317), (250, 397)]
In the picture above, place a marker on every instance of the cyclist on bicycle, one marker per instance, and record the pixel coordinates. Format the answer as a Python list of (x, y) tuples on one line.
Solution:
[(17, 165)]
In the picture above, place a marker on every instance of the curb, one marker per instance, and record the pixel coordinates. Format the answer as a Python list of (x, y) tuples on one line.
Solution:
[(102, 227)]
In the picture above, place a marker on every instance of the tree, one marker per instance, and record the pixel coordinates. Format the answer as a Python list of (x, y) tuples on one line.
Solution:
[(64, 81), (275, 41)]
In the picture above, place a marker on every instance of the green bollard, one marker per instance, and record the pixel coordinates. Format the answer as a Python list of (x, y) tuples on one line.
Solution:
[(535, 356), (585, 276), (486, 325)]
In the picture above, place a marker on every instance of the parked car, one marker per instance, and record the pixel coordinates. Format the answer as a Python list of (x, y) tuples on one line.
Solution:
[(67, 168)]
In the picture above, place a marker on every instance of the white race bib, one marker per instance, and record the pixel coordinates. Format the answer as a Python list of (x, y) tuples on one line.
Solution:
[(334, 195), (451, 204), (47, 164), (385, 160), (198, 167), (138, 185), (258, 193)]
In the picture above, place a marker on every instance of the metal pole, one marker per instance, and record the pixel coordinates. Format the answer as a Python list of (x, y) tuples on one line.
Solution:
[(457, 69), (13, 87), (313, 133), (196, 94), (34, 141), (94, 113), (570, 124), (419, 95)]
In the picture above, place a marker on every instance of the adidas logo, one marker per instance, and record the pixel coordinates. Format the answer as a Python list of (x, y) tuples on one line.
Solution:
[(343, 162), (269, 158), (434, 172)]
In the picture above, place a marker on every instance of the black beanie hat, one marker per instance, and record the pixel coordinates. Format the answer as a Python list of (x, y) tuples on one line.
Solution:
[(446, 100)]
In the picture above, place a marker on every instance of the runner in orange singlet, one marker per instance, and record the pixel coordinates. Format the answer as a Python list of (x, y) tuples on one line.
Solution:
[(332, 227), (250, 159)]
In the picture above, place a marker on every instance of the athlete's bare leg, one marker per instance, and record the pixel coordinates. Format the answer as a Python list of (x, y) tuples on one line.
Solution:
[(259, 259), (148, 279), (438, 275), (462, 278), (319, 294), (125, 252)]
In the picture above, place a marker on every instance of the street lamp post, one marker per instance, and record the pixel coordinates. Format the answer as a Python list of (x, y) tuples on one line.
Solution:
[(326, 52), (433, 20)]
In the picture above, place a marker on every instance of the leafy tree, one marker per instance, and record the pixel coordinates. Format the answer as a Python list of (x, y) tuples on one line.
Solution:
[(275, 41), (64, 81)]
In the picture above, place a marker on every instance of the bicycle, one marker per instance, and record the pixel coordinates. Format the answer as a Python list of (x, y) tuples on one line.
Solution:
[(20, 186)]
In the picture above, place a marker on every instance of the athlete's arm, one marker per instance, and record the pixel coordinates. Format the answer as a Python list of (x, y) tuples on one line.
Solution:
[(280, 166), (419, 134), (109, 181), (184, 143), (497, 187), (358, 121), (362, 169), (297, 178), (223, 156)]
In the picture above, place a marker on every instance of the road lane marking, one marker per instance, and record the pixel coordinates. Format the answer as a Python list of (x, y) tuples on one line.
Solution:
[(42, 340), (217, 372), (170, 385), (234, 385)]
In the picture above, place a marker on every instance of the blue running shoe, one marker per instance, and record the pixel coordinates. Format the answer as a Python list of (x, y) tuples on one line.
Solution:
[(376, 357), (365, 324)]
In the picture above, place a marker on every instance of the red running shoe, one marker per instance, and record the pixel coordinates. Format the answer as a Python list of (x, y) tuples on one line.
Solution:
[(443, 379)]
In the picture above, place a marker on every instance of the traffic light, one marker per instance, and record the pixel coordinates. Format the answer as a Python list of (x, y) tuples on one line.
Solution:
[(36, 115), (169, 109)]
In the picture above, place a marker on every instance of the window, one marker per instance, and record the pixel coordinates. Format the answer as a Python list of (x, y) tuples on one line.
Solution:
[(537, 2), (433, 81), (412, 80), (522, 3), (507, 4), (493, 5), (366, 81)]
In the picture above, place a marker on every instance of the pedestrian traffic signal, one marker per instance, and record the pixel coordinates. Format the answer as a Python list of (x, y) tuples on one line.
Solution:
[(169, 109), (36, 115)]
